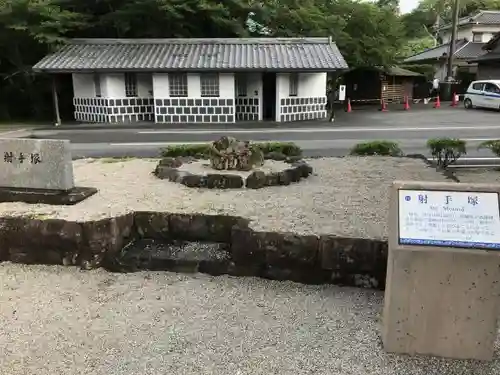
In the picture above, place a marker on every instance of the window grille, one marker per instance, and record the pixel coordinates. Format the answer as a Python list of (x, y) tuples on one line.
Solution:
[(209, 85), (130, 85), (294, 85), (178, 85), (241, 85), (97, 85)]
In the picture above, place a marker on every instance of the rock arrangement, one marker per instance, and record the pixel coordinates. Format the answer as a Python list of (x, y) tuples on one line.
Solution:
[(228, 153), (167, 169)]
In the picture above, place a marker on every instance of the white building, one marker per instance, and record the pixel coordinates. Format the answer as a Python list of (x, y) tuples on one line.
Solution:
[(197, 80), (473, 32)]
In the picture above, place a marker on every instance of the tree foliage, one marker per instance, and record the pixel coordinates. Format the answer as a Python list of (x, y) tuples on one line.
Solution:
[(367, 33)]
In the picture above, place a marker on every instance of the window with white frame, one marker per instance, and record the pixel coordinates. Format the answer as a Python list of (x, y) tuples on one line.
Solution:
[(294, 85), (209, 85), (97, 85), (477, 37), (241, 85), (130, 85), (178, 84)]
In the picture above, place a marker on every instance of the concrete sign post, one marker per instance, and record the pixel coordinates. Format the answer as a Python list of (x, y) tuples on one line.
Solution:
[(443, 271)]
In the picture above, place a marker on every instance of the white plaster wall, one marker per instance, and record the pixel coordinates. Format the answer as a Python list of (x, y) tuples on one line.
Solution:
[(160, 85), (113, 85), (467, 32), (312, 84), (83, 85), (194, 85), (226, 84), (282, 91)]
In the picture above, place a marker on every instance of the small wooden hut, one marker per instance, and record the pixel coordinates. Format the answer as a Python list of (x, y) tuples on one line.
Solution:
[(370, 85)]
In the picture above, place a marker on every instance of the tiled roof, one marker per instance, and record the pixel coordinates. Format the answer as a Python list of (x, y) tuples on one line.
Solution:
[(483, 17), (463, 50), (470, 51), (490, 56), (194, 54)]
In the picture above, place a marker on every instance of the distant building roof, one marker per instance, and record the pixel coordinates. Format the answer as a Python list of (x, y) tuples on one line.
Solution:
[(396, 71), (464, 49), (80, 55), (482, 17)]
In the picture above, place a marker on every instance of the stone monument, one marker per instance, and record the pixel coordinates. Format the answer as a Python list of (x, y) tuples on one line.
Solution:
[(443, 272), (38, 171)]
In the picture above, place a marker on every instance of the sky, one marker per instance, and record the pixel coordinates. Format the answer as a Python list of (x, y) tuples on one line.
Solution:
[(406, 6)]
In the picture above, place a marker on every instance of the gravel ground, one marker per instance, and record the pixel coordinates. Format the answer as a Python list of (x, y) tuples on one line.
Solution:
[(345, 196), (202, 167), (58, 320), (478, 176)]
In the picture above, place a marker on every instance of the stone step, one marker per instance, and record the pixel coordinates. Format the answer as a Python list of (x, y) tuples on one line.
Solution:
[(211, 258), (173, 255)]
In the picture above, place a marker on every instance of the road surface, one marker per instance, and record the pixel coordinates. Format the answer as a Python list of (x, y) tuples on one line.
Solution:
[(318, 138)]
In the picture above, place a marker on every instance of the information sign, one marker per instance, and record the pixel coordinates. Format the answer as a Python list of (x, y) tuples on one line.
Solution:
[(449, 219)]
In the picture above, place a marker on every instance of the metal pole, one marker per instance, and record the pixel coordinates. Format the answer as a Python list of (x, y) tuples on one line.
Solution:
[(454, 27), (55, 100)]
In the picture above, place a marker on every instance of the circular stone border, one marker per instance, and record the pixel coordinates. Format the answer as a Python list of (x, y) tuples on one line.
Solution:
[(167, 169)]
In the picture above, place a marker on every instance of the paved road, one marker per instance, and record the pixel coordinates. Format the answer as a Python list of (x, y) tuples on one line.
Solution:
[(411, 129)]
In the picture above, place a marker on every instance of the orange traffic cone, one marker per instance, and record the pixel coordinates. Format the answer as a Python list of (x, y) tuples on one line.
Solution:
[(383, 106), (349, 108), (407, 104), (438, 103), (454, 101)]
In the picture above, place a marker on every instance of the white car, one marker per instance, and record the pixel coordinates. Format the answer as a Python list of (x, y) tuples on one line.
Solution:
[(483, 94)]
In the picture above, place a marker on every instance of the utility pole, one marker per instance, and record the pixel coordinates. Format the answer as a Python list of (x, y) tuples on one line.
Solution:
[(454, 26)]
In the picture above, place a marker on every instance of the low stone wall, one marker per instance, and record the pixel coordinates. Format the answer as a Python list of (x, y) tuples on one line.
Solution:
[(279, 256), (167, 169)]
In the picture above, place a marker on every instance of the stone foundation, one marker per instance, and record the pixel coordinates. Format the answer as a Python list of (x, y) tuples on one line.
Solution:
[(194, 110), (281, 256), (247, 109), (121, 110), (304, 108)]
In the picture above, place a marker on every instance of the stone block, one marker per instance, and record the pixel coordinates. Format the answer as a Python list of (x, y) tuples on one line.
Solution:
[(52, 197), (286, 250), (44, 164), (224, 181), (354, 261), (272, 179), (197, 227), (304, 168), (49, 241), (105, 238), (294, 174), (256, 180), (284, 178), (166, 173), (153, 225), (193, 181)]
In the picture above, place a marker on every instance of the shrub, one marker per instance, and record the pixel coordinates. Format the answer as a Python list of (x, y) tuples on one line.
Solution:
[(446, 151), (380, 148), (286, 148), (493, 145), (203, 150)]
